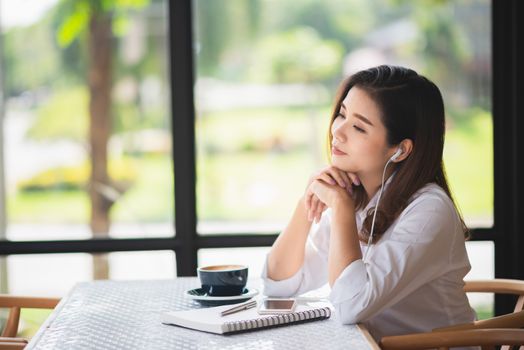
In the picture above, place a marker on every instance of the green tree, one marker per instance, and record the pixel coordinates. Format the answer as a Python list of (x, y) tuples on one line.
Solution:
[(296, 56), (221, 24), (93, 22)]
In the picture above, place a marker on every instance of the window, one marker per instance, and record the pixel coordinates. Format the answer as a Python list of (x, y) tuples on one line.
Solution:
[(267, 72), (86, 132)]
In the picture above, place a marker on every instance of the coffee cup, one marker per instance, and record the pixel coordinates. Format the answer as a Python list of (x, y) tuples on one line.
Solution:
[(223, 280)]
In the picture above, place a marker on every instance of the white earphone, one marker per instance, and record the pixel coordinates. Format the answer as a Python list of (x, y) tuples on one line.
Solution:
[(393, 158), (396, 155)]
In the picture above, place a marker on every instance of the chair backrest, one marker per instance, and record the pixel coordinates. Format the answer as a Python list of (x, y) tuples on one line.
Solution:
[(485, 338), (15, 304), (12, 343), (513, 320), (502, 330), (500, 286)]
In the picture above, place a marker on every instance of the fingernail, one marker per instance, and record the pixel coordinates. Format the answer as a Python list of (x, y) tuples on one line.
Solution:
[(357, 182), (331, 181)]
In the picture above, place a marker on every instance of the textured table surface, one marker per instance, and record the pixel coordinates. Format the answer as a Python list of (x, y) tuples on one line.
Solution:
[(126, 315)]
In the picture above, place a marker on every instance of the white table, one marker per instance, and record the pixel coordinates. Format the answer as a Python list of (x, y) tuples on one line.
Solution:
[(126, 315)]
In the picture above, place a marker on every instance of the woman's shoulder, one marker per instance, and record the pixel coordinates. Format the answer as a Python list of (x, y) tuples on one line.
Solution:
[(431, 198), (430, 211)]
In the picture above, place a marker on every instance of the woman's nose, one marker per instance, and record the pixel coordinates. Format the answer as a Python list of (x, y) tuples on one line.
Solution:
[(338, 132)]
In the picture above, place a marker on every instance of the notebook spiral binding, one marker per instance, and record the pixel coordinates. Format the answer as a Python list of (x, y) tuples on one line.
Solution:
[(278, 320)]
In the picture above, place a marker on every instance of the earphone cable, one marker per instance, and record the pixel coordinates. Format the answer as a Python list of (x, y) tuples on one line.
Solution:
[(375, 211)]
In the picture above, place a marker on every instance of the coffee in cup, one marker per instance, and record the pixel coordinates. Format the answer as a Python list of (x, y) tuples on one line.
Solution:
[(223, 280)]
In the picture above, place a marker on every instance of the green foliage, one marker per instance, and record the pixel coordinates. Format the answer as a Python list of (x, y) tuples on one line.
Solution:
[(49, 206), (76, 177), (150, 198), (251, 185), (242, 149), (471, 181), (227, 176), (32, 319), (299, 55), (71, 28), (443, 44), (264, 130), (73, 24), (347, 22), (30, 59), (75, 15), (223, 28), (63, 116)]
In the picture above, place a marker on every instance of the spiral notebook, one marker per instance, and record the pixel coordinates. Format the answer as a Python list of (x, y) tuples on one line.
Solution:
[(209, 319)]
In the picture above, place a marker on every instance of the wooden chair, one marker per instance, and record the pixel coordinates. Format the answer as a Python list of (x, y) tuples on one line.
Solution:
[(15, 304), (501, 330), (500, 286), (12, 343), (485, 338)]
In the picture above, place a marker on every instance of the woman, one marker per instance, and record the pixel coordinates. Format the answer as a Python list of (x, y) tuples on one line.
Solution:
[(398, 269)]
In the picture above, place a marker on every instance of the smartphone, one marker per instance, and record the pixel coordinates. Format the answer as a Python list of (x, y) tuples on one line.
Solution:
[(276, 306)]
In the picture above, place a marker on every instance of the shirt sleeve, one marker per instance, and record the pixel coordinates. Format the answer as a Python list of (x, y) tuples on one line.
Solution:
[(313, 272), (418, 251)]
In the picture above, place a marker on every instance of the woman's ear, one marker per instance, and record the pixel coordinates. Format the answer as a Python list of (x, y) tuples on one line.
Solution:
[(407, 146)]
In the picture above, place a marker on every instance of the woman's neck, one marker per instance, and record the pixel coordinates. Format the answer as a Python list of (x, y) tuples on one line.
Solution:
[(372, 182)]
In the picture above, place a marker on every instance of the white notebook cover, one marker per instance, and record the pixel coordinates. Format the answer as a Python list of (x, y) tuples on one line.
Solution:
[(209, 319)]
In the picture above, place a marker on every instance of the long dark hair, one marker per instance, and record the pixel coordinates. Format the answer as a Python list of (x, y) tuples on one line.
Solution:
[(411, 108)]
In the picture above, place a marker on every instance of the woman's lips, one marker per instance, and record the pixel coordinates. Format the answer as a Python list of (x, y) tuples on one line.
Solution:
[(337, 152)]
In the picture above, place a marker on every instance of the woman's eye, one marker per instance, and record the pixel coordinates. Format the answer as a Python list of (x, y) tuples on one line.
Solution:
[(359, 129), (340, 115)]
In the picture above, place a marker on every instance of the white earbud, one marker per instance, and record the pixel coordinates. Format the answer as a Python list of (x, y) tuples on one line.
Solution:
[(396, 155)]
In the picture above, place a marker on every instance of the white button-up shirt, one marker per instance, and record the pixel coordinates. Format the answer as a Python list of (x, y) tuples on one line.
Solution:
[(412, 280)]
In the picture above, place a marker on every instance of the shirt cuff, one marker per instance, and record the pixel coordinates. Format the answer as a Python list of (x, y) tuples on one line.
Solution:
[(282, 288), (349, 283)]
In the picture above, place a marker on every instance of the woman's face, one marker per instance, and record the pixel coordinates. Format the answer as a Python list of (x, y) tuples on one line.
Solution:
[(359, 137)]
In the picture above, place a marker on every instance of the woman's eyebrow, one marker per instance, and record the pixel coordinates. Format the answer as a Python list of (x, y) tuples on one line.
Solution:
[(356, 115), (364, 119)]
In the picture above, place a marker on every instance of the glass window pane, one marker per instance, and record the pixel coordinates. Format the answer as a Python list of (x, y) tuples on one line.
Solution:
[(145, 265), (482, 259), (53, 275), (266, 76), (86, 126)]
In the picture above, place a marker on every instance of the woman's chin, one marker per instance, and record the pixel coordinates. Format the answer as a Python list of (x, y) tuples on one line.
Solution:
[(342, 166)]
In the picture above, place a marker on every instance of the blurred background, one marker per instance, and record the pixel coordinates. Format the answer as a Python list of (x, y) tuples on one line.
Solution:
[(86, 144)]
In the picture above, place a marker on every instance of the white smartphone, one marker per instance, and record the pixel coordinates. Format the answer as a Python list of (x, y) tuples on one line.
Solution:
[(276, 306)]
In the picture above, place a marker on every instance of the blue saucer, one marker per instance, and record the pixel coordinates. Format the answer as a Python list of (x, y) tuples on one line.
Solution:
[(199, 295)]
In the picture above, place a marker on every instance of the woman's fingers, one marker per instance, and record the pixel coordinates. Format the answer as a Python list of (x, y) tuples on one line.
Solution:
[(333, 176), (354, 178), (337, 175), (326, 178)]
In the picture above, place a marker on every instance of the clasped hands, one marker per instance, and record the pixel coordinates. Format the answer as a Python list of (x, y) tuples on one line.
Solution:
[(329, 188)]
